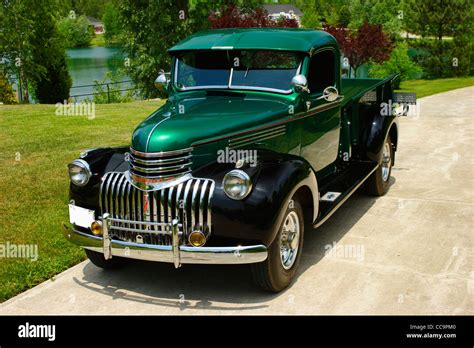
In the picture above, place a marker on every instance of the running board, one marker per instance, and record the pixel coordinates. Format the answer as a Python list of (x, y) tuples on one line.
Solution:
[(335, 191)]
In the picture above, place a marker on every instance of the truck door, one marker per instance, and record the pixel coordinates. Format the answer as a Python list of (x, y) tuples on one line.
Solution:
[(321, 126)]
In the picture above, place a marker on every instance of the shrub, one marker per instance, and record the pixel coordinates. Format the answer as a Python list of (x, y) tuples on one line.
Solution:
[(7, 95), (399, 62), (75, 31), (113, 94)]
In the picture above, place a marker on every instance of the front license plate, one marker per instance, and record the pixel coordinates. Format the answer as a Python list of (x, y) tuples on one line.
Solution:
[(81, 216)]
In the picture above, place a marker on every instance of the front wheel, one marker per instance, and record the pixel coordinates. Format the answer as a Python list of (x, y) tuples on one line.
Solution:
[(277, 271)]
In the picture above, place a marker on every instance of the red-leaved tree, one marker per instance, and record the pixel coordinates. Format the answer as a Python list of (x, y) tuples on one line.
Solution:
[(231, 16), (369, 43)]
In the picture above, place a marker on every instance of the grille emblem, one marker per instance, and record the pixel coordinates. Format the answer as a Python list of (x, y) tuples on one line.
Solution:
[(146, 204)]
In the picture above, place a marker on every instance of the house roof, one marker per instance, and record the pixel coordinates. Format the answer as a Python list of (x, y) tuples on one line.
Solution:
[(94, 21), (277, 8), (285, 39)]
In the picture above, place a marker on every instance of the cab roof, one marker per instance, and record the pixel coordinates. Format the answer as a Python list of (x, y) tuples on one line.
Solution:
[(284, 39)]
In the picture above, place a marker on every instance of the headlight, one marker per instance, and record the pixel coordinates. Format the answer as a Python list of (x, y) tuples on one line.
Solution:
[(237, 184), (79, 172)]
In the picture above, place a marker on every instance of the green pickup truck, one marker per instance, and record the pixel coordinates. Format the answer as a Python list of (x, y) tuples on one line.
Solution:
[(259, 142)]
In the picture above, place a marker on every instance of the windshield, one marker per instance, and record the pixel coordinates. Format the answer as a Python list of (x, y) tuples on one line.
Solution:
[(240, 69)]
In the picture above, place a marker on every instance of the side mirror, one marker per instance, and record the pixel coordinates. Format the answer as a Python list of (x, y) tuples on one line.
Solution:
[(300, 83), (330, 94), (161, 80)]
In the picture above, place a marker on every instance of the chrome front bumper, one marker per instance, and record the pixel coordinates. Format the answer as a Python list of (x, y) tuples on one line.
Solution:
[(175, 253)]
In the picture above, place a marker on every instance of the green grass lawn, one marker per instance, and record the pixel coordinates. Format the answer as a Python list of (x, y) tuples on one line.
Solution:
[(424, 88), (36, 146)]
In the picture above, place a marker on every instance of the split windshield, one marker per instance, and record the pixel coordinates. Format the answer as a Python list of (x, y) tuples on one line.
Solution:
[(237, 69)]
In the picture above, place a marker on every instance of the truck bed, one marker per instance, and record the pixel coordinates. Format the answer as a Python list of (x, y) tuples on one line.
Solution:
[(355, 88)]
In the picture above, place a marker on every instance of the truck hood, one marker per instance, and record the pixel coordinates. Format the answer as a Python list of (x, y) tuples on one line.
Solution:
[(182, 122)]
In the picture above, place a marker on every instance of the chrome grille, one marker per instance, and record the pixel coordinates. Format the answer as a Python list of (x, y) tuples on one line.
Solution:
[(136, 215), (160, 165)]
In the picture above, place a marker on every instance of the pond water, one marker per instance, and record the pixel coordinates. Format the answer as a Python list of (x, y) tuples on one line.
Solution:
[(92, 63)]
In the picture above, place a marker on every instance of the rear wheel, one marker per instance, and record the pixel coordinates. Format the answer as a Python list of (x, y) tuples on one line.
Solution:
[(278, 270), (379, 182), (99, 260)]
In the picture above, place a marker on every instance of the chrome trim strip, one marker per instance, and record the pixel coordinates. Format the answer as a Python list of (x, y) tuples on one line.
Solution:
[(224, 255), (159, 170), (150, 223), (160, 176), (107, 240), (258, 133), (178, 200), (222, 47), (324, 106), (152, 131), (186, 192), (155, 211), (162, 153), (209, 210), (170, 204), (175, 243), (133, 212), (161, 161), (201, 205), (193, 204), (104, 178), (129, 204), (124, 199), (162, 209), (165, 232), (257, 139), (157, 186), (118, 206)]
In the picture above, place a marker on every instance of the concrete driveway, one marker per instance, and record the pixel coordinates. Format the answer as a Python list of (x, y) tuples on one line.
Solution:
[(409, 252)]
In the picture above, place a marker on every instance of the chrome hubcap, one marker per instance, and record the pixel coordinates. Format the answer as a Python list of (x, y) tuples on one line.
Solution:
[(289, 240), (386, 162)]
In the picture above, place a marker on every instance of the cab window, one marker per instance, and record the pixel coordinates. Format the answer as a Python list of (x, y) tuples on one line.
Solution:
[(322, 71)]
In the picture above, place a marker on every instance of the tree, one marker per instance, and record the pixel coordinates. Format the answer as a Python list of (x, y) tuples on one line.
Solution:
[(232, 16), (440, 18), (54, 84), (30, 45), (75, 30), (368, 44), (16, 45), (150, 28), (447, 31), (385, 13), (111, 23), (94, 8)]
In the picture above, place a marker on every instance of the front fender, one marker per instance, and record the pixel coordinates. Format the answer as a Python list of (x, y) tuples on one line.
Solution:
[(258, 217), (101, 161)]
